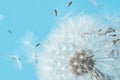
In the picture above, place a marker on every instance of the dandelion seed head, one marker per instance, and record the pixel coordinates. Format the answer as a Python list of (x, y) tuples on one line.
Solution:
[(80, 48)]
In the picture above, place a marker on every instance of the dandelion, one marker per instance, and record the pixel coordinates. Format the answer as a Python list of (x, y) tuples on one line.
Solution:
[(81, 48)]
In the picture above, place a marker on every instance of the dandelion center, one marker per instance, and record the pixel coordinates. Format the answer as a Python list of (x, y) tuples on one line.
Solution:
[(81, 63)]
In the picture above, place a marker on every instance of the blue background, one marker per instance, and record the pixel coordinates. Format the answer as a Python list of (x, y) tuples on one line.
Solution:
[(36, 16)]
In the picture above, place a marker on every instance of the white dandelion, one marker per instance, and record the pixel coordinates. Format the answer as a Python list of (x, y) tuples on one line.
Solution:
[(81, 48)]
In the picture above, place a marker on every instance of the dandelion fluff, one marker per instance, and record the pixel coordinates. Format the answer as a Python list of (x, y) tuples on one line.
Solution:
[(31, 53), (80, 48), (18, 61)]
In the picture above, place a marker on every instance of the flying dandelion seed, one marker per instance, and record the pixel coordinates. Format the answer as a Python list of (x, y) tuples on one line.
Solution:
[(31, 52), (69, 4), (15, 58), (77, 51), (35, 58), (55, 12), (10, 32), (18, 61), (37, 44), (28, 39)]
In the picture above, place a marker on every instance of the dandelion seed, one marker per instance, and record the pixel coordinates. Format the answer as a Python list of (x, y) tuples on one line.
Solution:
[(28, 42), (55, 12), (9, 31), (113, 35), (115, 41), (70, 3), (18, 61), (15, 58), (28, 39), (37, 45), (109, 30), (34, 58)]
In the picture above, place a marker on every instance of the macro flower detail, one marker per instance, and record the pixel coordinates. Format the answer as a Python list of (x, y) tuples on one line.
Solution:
[(80, 48), (81, 63)]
